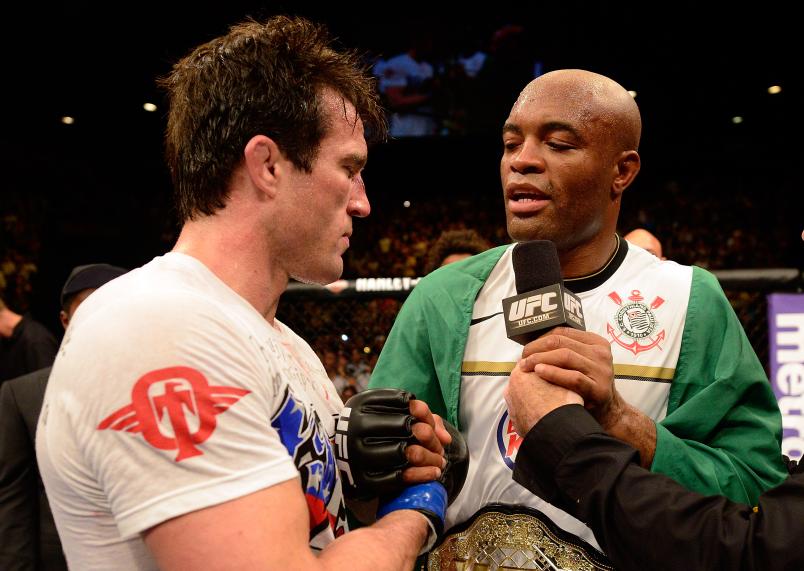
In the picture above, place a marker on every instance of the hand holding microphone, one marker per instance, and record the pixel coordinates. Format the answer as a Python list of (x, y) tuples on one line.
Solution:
[(542, 302), (579, 361), (548, 319), (530, 398)]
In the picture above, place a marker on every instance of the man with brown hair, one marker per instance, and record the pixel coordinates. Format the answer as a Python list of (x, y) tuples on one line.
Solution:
[(184, 427)]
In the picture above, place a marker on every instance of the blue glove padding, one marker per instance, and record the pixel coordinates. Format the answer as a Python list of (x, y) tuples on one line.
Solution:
[(429, 499)]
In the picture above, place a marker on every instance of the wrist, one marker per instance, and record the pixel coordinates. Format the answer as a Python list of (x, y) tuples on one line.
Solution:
[(613, 416), (429, 499), (415, 524)]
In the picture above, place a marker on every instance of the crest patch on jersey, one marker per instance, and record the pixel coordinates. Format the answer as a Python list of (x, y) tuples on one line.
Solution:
[(635, 325)]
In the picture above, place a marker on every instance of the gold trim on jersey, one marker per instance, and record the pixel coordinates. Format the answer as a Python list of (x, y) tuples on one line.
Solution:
[(663, 373), (630, 371), (480, 367)]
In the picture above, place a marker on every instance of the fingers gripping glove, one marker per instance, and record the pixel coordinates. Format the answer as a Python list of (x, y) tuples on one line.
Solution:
[(432, 498), (371, 435), (429, 499), (457, 455)]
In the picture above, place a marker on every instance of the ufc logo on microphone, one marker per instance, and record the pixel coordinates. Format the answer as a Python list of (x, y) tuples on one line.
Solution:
[(527, 307)]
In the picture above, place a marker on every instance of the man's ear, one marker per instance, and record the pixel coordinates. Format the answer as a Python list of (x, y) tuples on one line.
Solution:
[(263, 163), (628, 165)]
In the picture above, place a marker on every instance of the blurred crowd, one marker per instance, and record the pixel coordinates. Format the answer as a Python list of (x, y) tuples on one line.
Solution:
[(21, 228), (459, 84), (709, 223)]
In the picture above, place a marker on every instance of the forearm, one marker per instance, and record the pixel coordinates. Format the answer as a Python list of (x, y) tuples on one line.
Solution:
[(645, 520), (271, 531), (636, 429), (391, 543), (627, 508)]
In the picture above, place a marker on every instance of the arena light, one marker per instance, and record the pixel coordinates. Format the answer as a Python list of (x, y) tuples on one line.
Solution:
[(406, 204), (736, 119), (774, 89), (344, 337), (148, 106), (632, 93), (67, 120)]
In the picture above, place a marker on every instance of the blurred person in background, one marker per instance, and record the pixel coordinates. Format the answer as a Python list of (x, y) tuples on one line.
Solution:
[(406, 82), (28, 537), (25, 344), (645, 240), (452, 246)]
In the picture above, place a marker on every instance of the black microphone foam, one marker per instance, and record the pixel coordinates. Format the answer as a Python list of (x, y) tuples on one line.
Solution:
[(542, 302), (536, 265)]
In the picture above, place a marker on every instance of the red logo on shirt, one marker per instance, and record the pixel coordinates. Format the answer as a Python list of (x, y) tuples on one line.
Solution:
[(508, 440), (174, 409)]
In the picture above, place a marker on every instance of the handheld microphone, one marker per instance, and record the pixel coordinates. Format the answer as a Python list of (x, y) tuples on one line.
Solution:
[(542, 302)]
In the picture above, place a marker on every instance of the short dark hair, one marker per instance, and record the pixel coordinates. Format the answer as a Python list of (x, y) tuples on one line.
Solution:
[(454, 242), (260, 78)]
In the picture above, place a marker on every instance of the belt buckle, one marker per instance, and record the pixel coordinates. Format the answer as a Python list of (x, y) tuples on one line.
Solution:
[(502, 538)]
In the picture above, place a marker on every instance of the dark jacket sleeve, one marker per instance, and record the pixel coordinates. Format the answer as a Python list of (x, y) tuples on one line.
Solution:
[(19, 504), (645, 520)]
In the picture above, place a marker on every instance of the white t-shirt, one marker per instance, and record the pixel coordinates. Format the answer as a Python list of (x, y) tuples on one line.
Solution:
[(171, 393)]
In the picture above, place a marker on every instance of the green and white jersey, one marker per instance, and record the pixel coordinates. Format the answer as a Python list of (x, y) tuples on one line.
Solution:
[(679, 354), (640, 309)]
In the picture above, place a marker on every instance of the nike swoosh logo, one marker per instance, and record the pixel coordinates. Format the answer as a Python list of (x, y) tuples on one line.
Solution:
[(482, 319)]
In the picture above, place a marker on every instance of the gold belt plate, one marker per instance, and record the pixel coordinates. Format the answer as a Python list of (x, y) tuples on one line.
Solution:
[(502, 541)]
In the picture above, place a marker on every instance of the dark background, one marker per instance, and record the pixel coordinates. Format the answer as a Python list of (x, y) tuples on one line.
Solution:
[(98, 191)]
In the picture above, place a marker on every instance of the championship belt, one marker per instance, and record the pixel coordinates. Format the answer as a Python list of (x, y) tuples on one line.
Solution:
[(502, 537)]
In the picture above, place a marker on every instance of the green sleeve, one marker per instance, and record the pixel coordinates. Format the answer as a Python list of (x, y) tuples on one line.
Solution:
[(723, 427), (406, 361), (424, 350)]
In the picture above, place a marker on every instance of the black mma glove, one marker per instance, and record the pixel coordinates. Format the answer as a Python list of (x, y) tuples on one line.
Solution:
[(371, 436)]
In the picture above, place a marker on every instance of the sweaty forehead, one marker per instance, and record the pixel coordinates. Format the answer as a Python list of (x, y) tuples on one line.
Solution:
[(593, 104), (340, 110), (344, 138), (581, 105)]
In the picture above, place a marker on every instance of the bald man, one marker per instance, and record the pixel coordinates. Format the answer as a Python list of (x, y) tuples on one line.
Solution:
[(664, 364), (645, 240)]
